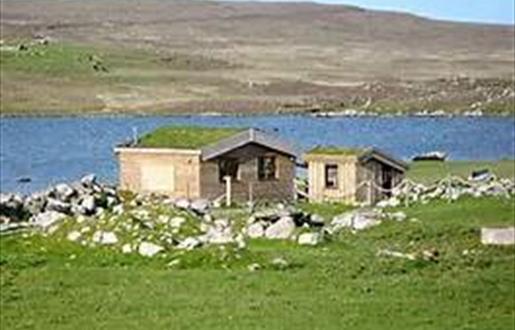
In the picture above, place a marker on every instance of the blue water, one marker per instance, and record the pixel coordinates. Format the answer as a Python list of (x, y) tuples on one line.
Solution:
[(51, 150)]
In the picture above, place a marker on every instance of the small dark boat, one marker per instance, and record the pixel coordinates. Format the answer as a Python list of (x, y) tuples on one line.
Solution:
[(480, 175), (431, 156), (24, 179)]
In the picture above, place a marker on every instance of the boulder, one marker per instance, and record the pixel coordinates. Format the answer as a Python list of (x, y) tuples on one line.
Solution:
[(255, 230), (316, 220), (498, 236), (189, 243), (64, 192), (280, 263), (218, 235), (200, 206), (57, 205), (118, 209), (105, 237), (177, 222), (88, 180), (47, 219), (282, 229), (391, 202), (148, 249), (182, 203), (310, 239), (397, 216), (88, 205), (126, 248), (73, 236), (356, 220), (35, 203), (12, 206)]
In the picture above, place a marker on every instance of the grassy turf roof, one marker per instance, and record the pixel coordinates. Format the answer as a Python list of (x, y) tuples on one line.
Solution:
[(333, 150), (185, 137)]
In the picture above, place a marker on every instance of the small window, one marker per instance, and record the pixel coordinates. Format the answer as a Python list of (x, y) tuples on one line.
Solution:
[(331, 176), (227, 167), (266, 168)]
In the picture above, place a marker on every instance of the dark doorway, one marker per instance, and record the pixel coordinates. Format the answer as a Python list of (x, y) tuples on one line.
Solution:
[(387, 181)]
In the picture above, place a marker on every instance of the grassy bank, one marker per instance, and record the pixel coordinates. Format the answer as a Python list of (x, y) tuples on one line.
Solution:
[(343, 284), (431, 171)]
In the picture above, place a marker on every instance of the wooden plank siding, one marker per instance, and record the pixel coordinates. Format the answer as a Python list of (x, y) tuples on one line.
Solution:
[(186, 181), (280, 188), (346, 182)]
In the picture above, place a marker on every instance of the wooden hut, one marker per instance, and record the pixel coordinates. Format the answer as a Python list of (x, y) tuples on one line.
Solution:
[(352, 175), (200, 162)]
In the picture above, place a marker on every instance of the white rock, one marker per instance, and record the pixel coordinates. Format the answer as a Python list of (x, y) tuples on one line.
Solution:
[(200, 205), (64, 192), (118, 209), (280, 263), (255, 230), (163, 219), (391, 202), (498, 236), (148, 249), (356, 220), (240, 241), (397, 216), (189, 243), (282, 229), (46, 219), (88, 180), (182, 203), (310, 239), (219, 235), (126, 248), (73, 236), (57, 205), (254, 267), (88, 204), (177, 222), (105, 237)]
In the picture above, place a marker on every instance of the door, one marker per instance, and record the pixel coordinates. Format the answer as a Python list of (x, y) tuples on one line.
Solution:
[(387, 181)]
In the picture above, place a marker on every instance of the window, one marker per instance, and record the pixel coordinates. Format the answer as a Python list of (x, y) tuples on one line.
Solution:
[(266, 168), (331, 176), (227, 167)]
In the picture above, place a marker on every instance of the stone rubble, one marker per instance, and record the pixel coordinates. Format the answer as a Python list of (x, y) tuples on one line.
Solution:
[(98, 215)]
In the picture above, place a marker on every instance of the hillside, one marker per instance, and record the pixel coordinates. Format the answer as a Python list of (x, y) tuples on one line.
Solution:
[(169, 56)]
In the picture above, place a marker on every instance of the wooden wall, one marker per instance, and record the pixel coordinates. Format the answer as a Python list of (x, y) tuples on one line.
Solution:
[(351, 176), (180, 171), (373, 171), (345, 190), (282, 188)]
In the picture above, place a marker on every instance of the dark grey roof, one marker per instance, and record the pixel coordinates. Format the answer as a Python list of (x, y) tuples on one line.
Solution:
[(251, 135), (374, 153)]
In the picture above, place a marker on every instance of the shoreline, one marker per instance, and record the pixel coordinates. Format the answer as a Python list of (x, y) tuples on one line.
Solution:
[(299, 113)]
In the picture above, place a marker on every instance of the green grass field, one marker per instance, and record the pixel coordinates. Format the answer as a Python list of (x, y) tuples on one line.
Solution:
[(430, 171), (343, 284)]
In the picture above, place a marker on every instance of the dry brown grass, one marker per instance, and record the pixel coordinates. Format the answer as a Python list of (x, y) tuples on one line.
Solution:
[(258, 56)]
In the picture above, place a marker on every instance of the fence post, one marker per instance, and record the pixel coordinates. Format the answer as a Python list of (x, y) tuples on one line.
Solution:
[(369, 197), (251, 196), (228, 196)]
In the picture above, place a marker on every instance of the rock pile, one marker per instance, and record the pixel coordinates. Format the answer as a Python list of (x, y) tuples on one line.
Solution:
[(93, 214), (451, 188), (86, 197)]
